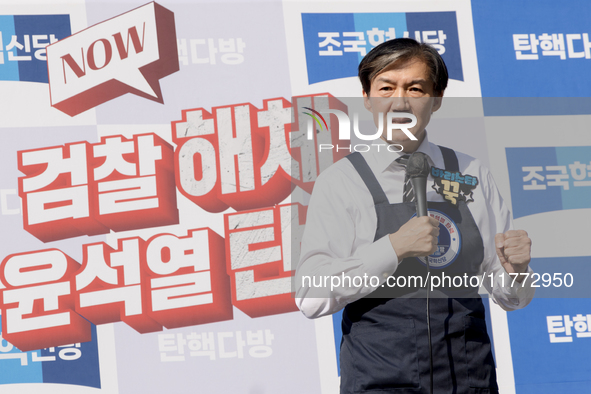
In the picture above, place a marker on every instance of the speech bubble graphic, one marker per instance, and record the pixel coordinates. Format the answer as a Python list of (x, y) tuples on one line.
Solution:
[(126, 54)]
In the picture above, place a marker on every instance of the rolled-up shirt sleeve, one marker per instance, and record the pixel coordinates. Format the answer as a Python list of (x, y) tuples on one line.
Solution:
[(337, 264), (505, 290)]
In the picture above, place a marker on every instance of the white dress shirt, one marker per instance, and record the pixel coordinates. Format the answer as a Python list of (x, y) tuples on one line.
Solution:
[(338, 239)]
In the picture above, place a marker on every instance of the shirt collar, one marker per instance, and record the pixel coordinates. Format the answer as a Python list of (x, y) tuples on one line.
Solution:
[(427, 148)]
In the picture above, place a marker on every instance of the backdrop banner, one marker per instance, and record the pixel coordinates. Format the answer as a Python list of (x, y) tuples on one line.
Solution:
[(157, 161)]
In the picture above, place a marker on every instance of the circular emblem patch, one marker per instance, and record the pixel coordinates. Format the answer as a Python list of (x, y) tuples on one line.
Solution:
[(449, 242)]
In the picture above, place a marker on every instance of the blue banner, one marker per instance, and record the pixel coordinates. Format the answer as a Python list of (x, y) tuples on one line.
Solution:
[(23, 39), (533, 48), (75, 364), (550, 344), (549, 179), (336, 43)]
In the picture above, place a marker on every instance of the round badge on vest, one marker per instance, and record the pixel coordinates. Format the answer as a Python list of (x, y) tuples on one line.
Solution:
[(449, 242)]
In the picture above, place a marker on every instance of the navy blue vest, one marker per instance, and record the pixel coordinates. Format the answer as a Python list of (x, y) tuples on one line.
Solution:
[(385, 344)]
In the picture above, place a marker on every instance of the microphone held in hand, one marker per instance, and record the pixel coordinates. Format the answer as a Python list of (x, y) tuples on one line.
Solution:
[(417, 169)]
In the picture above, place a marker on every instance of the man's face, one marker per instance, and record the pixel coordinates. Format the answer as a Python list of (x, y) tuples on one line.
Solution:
[(405, 89)]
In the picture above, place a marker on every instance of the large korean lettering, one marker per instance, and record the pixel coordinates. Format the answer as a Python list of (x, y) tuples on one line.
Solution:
[(261, 246), (38, 302), (84, 189), (245, 158), (238, 157), (188, 284)]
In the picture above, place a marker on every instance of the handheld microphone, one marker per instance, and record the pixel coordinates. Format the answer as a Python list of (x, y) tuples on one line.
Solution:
[(417, 170)]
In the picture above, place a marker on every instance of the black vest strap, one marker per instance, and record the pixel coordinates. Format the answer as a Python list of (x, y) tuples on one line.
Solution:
[(379, 197), (449, 159)]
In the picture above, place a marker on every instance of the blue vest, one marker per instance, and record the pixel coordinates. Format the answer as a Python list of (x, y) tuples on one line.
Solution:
[(385, 344)]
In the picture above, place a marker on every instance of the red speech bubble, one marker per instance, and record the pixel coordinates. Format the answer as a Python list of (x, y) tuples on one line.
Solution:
[(125, 54)]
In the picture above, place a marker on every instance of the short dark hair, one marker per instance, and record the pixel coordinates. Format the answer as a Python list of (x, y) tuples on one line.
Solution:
[(394, 53)]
